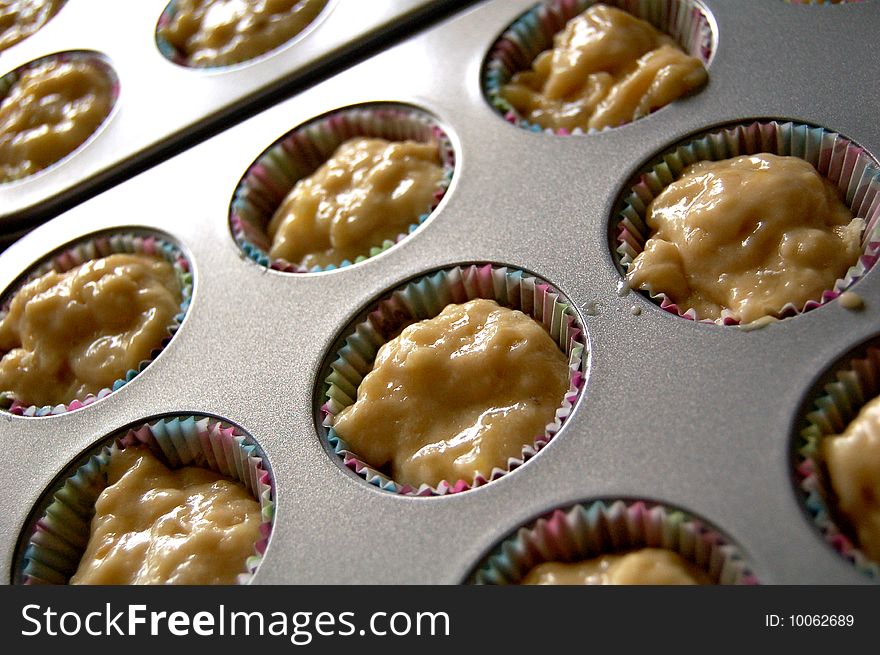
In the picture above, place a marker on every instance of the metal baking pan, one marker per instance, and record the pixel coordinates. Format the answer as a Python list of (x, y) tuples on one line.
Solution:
[(161, 102), (695, 416)]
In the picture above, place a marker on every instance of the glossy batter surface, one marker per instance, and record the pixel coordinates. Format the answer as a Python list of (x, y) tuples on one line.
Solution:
[(21, 18), (153, 525), (606, 68), (748, 234), (225, 32), (648, 566), (456, 394), (853, 463), (49, 112), (70, 334), (370, 191)]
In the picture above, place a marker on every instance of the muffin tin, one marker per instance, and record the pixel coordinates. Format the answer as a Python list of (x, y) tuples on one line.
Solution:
[(161, 103), (697, 417)]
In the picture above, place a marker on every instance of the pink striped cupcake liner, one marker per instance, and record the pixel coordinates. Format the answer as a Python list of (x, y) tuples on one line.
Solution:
[(686, 21), (851, 384), (88, 249), (300, 152), (58, 532), (601, 527), (425, 298), (850, 167)]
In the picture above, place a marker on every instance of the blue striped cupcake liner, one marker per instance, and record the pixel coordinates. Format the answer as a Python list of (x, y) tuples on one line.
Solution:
[(686, 21), (88, 249), (848, 166), (59, 530), (853, 382), (601, 527), (301, 151), (425, 298)]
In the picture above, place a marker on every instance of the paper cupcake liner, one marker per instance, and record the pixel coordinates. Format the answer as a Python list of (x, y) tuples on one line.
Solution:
[(685, 21), (61, 525), (835, 157), (174, 55), (87, 250), (9, 79), (855, 382), (597, 528), (425, 298), (300, 152)]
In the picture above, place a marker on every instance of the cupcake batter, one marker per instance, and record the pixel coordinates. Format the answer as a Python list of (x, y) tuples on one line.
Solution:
[(370, 191), (153, 525), (49, 112), (748, 234), (853, 463), (70, 334), (456, 395), (225, 32), (21, 18), (648, 566), (606, 68)]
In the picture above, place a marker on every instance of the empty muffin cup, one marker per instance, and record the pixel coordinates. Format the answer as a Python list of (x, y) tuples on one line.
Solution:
[(59, 529), (847, 166), (87, 250), (605, 527), (685, 21), (852, 383), (301, 152), (425, 298)]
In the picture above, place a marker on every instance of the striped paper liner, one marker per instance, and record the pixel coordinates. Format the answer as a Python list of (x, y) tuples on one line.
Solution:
[(425, 298), (845, 164), (59, 530), (86, 250), (854, 382), (602, 527), (300, 152), (686, 21)]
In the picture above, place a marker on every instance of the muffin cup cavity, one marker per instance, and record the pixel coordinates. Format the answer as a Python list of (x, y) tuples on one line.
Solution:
[(87, 250), (602, 527), (842, 162), (686, 21), (300, 152), (853, 383), (47, 12), (58, 533), (172, 54), (8, 80), (425, 298)]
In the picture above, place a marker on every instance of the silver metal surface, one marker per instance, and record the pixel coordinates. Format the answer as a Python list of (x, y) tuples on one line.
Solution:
[(160, 101), (695, 416)]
